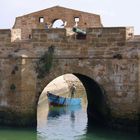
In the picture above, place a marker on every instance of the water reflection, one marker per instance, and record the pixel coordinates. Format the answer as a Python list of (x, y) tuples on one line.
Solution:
[(70, 123), (72, 117), (63, 123), (59, 111)]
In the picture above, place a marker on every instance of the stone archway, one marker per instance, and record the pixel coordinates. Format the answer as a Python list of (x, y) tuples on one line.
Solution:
[(97, 110)]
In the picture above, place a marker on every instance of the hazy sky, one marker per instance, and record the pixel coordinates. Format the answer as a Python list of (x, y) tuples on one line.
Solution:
[(113, 12)]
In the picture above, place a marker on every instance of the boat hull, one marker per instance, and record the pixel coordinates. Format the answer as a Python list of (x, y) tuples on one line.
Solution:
[(62, 101)]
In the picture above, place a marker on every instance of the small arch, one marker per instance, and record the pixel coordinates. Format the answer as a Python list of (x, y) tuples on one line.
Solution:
[(58, 23)]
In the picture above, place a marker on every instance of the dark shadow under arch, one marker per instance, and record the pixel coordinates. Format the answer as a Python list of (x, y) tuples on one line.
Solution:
[(97, 110)]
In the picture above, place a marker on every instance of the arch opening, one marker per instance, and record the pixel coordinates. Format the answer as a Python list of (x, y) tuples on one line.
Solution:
[(60, 86), (58, 23), (97, 107)]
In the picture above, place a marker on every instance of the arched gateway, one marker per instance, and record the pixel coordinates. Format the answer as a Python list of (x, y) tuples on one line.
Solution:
[(106, 60), (98, 104)]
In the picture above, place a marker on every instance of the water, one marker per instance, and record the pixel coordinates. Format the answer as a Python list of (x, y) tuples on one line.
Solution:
[(17, 134), (66, 123), (63, 123), (71, 123)]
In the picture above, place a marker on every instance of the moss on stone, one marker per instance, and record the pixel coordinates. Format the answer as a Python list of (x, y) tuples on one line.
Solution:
[(45, 62)]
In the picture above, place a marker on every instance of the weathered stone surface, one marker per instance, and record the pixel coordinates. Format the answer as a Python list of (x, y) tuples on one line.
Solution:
[(106, 61), (32, 21)]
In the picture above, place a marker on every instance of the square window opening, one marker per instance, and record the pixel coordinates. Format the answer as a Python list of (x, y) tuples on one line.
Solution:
[(41, 19), (76, 19)]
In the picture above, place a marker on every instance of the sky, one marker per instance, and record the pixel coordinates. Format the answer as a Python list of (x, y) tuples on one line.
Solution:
[(113, 12)]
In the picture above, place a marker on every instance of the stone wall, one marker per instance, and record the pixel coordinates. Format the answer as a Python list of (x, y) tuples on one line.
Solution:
[(117, 74), (109, 36), (32, 21), (106, 61), (97, 37), (42, 35), (5, 37), (15, 35)]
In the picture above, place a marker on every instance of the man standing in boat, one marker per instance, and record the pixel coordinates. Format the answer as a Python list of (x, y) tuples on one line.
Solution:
[(73, 90)]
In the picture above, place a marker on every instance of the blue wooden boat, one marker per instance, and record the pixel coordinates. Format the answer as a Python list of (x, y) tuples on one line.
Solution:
[(56, 100)]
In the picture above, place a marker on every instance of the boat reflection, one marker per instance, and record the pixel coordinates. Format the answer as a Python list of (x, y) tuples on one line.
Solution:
[(56, 112)]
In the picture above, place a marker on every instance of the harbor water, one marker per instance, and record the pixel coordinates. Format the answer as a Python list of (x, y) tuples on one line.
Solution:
[(64, 123)]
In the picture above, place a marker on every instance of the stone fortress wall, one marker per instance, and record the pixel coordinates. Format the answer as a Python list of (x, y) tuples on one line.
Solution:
[(107, 55)]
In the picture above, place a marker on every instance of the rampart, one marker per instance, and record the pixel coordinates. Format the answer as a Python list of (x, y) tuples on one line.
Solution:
[(105, 59)]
